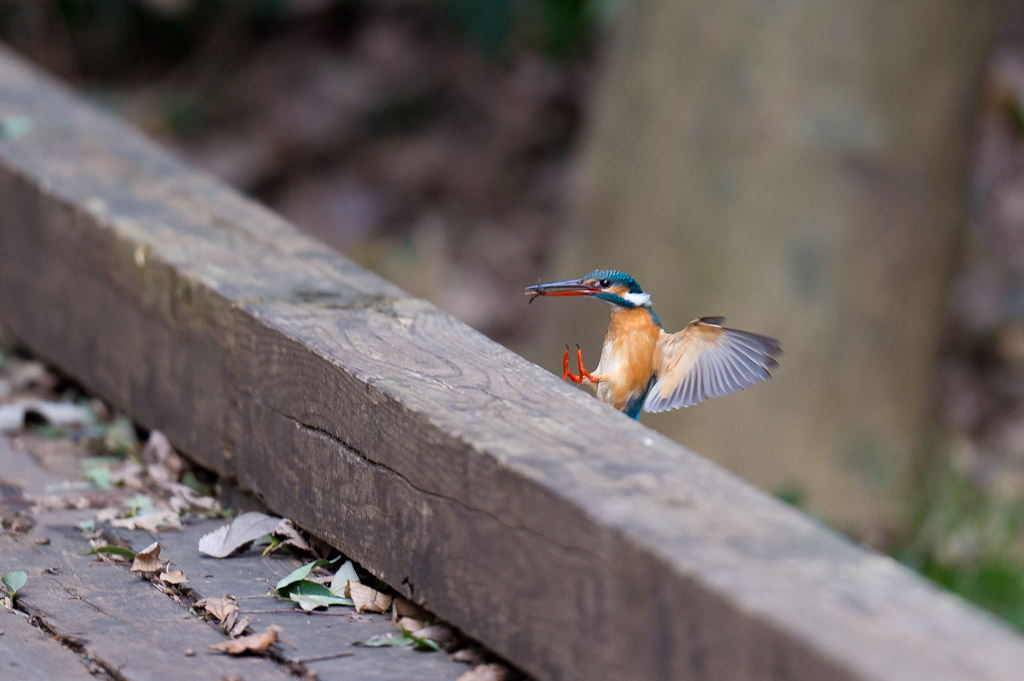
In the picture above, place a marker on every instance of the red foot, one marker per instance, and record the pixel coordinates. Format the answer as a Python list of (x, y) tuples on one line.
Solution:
[(576, 378)]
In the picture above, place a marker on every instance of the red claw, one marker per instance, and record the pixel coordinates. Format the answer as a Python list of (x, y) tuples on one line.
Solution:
[(565, 368), (583, 373)]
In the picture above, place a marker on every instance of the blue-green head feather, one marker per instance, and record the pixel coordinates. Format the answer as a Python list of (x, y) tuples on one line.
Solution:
[(614, 277), (634, 297)]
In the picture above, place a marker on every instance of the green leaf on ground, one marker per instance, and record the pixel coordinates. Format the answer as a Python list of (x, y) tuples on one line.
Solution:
[(308, 603), (189, 479), (13, 581), (386, 641), (16, 127), (140, 504), (300, 573), (50, 432), (401, 640), (310, 595), (424, 645), (121, 439), (116, 550), (97, 471), (345, 574)]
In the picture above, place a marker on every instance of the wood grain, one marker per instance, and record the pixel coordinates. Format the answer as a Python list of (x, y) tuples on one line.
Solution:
[(329, 639), (116, 618), (27, 654), (568, 538), (321, 644)]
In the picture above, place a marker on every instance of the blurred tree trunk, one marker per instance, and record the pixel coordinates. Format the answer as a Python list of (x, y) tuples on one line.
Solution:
[(799, 167)]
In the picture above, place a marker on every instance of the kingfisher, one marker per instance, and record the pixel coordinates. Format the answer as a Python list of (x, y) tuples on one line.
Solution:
[(644, 367)]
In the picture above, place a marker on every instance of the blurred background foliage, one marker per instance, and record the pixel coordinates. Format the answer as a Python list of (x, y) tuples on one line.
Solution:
[(429, 140), (434, 142)]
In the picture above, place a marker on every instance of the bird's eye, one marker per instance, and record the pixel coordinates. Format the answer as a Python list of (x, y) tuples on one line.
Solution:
[(605, 283)]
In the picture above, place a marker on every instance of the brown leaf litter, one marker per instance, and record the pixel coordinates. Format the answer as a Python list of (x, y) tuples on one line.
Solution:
[(148, 559), (174, 577), (219, 607), (253, 643), (487, 672), (368, 599)]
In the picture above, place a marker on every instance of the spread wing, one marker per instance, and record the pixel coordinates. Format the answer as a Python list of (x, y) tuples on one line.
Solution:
[(706, 360)]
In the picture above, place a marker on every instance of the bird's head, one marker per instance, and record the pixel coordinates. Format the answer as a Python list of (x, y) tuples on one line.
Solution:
[(612, 286)]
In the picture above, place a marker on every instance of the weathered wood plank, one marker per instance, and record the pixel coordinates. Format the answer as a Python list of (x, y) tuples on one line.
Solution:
[(27, 654), (322, 643), (570, 539), (118, 618), (524, 513), (115, 619)]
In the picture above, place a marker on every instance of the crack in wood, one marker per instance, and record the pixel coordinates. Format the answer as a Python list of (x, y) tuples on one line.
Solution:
[(572, 550), (79, 646)]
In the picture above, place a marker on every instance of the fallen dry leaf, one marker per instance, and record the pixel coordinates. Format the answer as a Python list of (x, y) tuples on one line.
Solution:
[(173, 577), (254, 643), (184, 498), (229, 622), (219, 607), (107, 514), (403, 607), (291, 536), (239, 628), (468, 655), (486, 672), (148, 559), (368, 599), (12, 416), (24, 373), (127, 474), (151, 522), (16, 522), (438, 633), (227, 539), (409, 624), (49, 502), (162, 463)]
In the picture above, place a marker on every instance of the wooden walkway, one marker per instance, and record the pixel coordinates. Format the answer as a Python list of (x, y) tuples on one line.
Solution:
[(87, 618), (574, 542)]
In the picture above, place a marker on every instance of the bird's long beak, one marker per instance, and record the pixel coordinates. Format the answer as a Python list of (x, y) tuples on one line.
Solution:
[(569, 287)]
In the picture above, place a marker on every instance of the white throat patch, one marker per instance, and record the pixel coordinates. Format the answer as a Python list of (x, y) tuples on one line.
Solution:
[(638, 299)]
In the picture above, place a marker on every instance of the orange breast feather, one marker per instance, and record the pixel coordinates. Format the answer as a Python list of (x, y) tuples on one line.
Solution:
[(627, 357)]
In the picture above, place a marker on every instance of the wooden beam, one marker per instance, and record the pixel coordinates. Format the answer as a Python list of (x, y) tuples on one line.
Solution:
[(568, 538)]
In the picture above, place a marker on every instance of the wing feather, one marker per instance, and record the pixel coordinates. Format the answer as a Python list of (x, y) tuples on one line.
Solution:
[(707, 360), (747, 370), (731, 378), (735, 372), (714, 370)]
